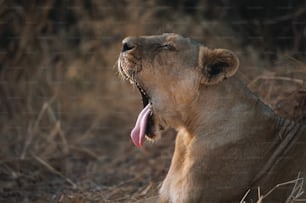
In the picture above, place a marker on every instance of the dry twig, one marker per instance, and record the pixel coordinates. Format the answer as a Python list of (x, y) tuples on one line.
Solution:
[(265, 77), (54, 171)]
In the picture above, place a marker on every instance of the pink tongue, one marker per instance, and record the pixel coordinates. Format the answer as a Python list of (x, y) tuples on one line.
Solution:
[(138, 133)]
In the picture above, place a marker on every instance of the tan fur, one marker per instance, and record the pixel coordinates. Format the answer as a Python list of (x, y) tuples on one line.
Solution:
[(228, 141)]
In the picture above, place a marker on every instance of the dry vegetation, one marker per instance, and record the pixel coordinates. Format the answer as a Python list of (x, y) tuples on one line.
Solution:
[(65, 115)]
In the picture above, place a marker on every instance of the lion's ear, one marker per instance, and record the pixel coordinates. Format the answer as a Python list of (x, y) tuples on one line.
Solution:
[(217, 65)]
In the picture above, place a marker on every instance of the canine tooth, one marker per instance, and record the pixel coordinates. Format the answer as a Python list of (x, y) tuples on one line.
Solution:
[(150, 139)]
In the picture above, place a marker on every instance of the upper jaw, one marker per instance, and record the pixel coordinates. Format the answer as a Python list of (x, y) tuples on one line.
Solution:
[(130, 75), (123, 70)]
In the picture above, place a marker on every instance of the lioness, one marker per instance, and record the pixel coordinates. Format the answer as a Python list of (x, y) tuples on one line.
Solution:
[(228, 141)]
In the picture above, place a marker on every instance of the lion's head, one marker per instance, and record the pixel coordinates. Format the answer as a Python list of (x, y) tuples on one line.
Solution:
[(168, 70)]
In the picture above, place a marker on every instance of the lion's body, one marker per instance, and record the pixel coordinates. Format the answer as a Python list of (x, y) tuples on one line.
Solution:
[(228, 141), (239, 144)]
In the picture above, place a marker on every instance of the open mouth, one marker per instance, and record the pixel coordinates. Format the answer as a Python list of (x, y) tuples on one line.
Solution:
[(144, 127), (144, 124)]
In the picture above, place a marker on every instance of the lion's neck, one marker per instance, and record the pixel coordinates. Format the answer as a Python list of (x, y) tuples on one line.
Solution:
[(226, 110)]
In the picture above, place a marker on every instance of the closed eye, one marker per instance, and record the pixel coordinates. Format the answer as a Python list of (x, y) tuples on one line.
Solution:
[(168, 47)]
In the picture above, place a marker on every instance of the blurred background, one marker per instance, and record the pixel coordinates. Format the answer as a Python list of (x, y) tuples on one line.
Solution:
[(66, 116)]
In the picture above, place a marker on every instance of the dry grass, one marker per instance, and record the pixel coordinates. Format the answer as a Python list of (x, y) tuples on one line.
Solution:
[(294, 196), (65, 114)]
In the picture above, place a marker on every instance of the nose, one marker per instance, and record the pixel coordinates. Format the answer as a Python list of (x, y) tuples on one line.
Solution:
[(128, 44)]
